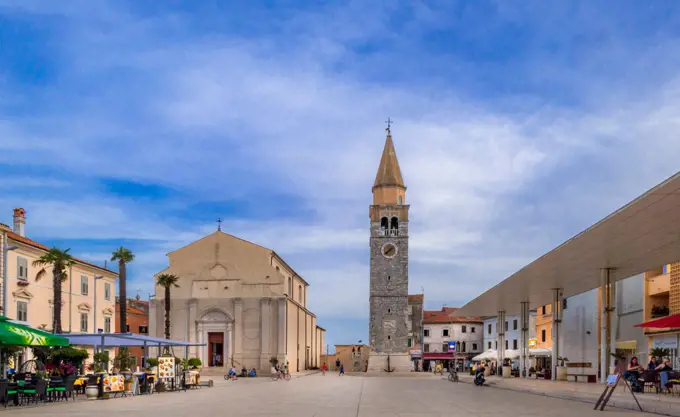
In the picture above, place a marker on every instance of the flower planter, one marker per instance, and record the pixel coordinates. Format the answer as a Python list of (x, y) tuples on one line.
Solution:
[(507, 371), (91, 392), (561, 373)]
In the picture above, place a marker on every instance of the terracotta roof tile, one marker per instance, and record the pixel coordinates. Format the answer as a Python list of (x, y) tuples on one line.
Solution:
[(445, 316), (33, 243)]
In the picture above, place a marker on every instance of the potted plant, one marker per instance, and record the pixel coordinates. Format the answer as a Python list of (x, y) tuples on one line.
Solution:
[(152, 364), (507, 368), (101, 361), (561, 370), (194, 363)]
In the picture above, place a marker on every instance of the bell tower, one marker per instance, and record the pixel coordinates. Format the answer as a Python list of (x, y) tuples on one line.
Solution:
[(388, 299)]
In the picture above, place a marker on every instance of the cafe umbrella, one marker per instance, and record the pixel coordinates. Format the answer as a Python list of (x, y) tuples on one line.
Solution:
[(15, 334)]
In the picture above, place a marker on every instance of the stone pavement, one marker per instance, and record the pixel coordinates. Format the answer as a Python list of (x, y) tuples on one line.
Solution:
[(588, 393), (330, 396)]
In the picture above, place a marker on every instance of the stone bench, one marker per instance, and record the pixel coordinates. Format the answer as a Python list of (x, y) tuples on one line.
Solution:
[(590, 378)]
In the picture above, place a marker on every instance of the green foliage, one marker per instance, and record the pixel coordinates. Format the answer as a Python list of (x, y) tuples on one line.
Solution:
[(59, 260), (152, 362), (123, 254), (562, 360), (123, 361), (55, 355), (273, 361), (195, 363), (660, 353), (9, 352)]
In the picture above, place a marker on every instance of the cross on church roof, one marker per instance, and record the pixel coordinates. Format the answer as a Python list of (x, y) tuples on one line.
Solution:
[(219, 224), (389, 123)]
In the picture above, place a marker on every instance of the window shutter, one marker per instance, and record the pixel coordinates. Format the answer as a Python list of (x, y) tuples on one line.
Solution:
[(22, 268)]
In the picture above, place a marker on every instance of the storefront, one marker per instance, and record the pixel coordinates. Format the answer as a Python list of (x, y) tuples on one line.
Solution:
[(432, 359), (416, 354), (668, 342)]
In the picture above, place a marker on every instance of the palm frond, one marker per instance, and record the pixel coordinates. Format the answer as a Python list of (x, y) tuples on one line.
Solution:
[(123, 254)]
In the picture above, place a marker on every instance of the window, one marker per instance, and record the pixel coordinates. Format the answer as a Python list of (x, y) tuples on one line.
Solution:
[(496, 344), (22, 268), (84, 285), (290, 287), (506, 345), (389, 337), (143, 329), (514, 324), (107, 291), (489, 331), (462, 347), (426, 347), (543, 335), (22, 311), (445, 347), (489, 345), (506, 326), (514, 344), (472, 329), (426, 332), (400, 200), (564, 304), (463, 329), (389, 277), (107, 324), (127, 328), (300, 293), (84, 322), (543, 310), (474, 347), (445, 333), (410, 342), (665, 269)]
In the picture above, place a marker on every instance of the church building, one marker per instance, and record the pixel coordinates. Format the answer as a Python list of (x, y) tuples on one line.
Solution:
[(388, 299), (243, 302)]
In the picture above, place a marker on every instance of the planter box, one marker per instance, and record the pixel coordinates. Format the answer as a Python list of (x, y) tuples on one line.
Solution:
[(561, 373), (507, 372)]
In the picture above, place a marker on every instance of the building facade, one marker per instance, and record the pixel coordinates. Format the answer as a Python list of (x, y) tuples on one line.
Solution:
[(441, 327), (661, 299), (544, 322), (29, 300), (243, 302), (137, 323), (388, 288), (415, 320)]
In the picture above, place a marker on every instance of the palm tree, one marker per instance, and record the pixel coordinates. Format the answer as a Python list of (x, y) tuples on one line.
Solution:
[(60, 261), (123, 256), (167, 281)]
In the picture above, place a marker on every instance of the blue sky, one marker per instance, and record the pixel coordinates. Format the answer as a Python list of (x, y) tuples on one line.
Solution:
[(518, 124)]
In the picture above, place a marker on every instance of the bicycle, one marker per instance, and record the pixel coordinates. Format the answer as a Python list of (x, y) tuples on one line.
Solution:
[(280, 375), (453, 376)]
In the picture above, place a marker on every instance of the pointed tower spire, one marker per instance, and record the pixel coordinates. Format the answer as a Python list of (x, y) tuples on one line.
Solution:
[(388, 181)]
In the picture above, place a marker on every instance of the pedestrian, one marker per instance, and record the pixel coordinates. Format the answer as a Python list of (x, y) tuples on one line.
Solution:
[(337, 364), (342, 369), (323, 369)]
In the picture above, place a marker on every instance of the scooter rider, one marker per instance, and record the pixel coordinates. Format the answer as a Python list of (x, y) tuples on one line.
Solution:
[(479, 374)]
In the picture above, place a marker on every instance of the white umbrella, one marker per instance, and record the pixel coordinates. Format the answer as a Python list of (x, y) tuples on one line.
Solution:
[(511, 354), (489, 354), (540, 352)]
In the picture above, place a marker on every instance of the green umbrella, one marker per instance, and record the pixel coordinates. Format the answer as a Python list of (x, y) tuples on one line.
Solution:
[(19, 335)]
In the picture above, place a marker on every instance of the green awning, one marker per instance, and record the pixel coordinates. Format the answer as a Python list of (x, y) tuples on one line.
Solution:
[(15, 334)]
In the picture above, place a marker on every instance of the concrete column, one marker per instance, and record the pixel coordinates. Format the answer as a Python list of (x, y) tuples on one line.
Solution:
[(202, 350), (613, 322), (237, 353), (500, 331), (523, 340), (265, 332), (556, 314), (281, 331), (605, 323)]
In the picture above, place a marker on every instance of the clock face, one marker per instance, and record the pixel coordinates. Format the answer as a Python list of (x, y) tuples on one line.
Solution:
[(389, 250)]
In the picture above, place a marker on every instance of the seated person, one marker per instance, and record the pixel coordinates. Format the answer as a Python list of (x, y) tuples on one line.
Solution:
[(663, 368), (633, 373), (244, 372), (252, 372), (229, 372)]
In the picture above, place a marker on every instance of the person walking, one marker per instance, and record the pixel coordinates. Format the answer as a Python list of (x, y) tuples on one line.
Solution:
[(342, 369), (324, 369)]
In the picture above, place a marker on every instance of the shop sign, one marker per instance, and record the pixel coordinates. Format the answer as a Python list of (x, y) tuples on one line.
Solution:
[(533, 343), (452, 347), (665, 341), (415, 352)]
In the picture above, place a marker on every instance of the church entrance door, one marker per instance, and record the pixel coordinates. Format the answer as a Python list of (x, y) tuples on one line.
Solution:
[(216, 349)]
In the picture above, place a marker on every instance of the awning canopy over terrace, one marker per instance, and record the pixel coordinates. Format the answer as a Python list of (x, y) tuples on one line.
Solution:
[(641, 236)]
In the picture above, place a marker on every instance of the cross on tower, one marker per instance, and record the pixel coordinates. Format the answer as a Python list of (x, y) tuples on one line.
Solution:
[(219, 224), (389, 123)]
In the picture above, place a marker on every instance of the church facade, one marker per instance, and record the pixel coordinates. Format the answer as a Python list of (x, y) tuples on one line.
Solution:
[(388, 299), (242, 303)]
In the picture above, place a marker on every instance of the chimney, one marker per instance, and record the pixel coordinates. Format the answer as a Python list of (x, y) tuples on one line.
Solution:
[(20, 222)]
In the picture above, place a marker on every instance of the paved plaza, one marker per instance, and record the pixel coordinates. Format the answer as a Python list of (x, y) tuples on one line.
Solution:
[(332, 396)]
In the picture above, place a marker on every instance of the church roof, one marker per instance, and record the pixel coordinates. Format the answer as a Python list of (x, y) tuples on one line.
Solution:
[(389, 173)]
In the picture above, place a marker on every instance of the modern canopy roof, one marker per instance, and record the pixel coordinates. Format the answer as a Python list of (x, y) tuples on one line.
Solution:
[(641, 236), (123, 339)]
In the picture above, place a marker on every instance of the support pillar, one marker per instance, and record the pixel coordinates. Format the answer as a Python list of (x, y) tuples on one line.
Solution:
[(524, 339), (500, 331), (605, 323), (265, 332), (281, 330), (556, 308)]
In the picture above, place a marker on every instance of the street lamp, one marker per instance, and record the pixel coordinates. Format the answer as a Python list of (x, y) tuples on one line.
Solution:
[(96, 277), (5, 251)]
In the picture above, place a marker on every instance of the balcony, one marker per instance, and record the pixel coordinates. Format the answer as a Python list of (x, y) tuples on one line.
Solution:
[(388, 232), (658, 285)]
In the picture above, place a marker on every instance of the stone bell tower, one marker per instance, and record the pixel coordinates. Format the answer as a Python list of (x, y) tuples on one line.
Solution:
[(388, 332)]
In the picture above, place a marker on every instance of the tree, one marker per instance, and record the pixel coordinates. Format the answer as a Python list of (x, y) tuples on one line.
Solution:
[(123, 256), (60, 261), (167, 281)]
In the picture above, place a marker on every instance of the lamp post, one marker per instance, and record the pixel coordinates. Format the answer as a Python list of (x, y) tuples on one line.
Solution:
[(96, 277)]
